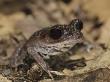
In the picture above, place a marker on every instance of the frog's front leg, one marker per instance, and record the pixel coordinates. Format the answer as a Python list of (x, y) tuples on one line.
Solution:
[(39, 59)]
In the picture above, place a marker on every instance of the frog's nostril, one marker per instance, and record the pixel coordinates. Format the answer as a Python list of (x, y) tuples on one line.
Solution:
[(78, 24)]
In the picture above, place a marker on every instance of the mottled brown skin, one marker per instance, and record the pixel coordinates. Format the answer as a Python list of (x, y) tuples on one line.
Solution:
[(49, 41)]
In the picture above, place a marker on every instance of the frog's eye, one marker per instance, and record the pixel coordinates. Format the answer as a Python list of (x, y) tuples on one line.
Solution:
[(55, 33), (78, 24)]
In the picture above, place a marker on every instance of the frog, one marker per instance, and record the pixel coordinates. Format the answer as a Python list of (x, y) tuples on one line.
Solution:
[(51, 41)]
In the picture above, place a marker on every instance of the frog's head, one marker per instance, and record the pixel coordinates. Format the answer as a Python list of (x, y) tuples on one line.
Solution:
[(61, 37), (61, 33)]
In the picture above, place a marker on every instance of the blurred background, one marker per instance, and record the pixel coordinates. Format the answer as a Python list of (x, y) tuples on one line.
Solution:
[(19, 19), (27, 16)]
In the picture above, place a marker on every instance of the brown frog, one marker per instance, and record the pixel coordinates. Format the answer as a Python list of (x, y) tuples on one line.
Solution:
[(48, 42)]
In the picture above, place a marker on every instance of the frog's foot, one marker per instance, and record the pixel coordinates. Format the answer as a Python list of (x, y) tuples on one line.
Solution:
[(73, 64), (57, 73)]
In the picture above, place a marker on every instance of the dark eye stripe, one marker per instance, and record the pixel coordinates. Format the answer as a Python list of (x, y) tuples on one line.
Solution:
[(55, 33)]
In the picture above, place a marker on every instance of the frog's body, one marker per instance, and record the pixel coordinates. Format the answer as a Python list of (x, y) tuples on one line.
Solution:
[(54, 40)]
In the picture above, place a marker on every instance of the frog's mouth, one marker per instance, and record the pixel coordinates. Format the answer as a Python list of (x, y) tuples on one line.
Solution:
[(62, 47)]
